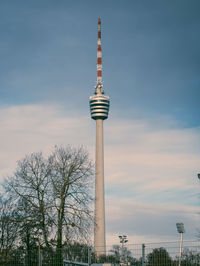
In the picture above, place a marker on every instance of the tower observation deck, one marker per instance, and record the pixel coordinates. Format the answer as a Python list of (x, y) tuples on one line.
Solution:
[(99, 108)]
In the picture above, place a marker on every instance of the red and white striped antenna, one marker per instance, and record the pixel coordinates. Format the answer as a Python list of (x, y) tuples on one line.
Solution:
[(99, 56)]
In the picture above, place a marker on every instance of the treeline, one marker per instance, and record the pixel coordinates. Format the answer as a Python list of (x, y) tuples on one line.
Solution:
[(46, 202), (158, 257)]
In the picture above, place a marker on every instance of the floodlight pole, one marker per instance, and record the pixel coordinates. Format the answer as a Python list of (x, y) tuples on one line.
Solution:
[(123, 239), (181, 230), (180, 250)]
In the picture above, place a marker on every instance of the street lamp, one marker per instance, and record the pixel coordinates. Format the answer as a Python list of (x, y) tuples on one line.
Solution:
[(123, 239), (181, 230)]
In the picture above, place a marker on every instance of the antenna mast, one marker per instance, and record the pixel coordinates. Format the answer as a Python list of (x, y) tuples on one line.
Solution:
[(99, 60)]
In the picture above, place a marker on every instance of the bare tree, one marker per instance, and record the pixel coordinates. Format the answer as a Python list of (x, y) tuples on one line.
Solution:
[(29, 186), (71, 183), (8, 228), (55, 194)]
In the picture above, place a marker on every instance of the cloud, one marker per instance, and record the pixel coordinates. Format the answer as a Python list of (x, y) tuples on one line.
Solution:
[(148, 221), (151, 179), (152, 155), (33, 128), (150, 165)]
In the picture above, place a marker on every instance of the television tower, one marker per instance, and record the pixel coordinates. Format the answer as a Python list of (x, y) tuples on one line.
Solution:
[(99, 107)]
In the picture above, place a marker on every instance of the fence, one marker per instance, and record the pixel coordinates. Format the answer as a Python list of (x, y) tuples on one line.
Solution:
[(166, 253), (148, 254)]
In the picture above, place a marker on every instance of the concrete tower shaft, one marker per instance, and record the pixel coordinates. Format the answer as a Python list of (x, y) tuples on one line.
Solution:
[(99, 108), (99, 213)]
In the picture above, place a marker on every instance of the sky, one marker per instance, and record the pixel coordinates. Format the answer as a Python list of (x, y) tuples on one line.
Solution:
[(151, 65)]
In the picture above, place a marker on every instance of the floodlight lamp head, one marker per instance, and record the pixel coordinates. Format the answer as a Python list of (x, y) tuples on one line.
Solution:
[(180, 228)]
